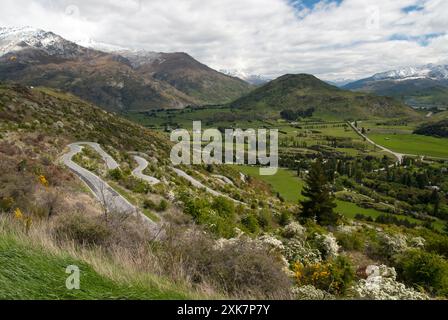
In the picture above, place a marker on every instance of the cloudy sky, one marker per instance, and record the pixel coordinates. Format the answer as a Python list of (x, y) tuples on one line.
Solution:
[(333, 39)]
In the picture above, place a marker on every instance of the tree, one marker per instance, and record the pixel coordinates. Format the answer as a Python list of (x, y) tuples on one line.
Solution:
[(435, 197), (319, 203)]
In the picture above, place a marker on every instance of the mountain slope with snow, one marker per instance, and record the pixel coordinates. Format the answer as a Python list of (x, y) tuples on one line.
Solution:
[(421, 86), (430, 71), (254, 79), (13, 40), (117, 80)]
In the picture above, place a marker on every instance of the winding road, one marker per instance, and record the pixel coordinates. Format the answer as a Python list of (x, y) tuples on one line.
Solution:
[(111, 199), (110, 162), (106, 195), (138, 172), (101, 189), (200, 185)]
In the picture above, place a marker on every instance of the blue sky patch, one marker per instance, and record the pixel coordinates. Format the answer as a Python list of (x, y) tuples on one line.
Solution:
[(310, 4), (413, 8), (422, 40)]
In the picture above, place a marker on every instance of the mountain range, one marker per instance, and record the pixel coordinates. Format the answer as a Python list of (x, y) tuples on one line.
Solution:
[(125, 80), (118, 81), (422, 86)]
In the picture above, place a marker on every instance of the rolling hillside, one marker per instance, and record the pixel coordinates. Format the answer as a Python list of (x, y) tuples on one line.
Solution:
[(302, 92)]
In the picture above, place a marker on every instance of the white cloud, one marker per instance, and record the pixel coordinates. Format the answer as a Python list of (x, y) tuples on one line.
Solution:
[(267, 37)]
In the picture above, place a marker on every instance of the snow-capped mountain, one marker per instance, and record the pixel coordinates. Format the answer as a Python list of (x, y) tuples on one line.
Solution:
[(100, 46), (18, 39), (250, 78), (114, 79), (420, 86), (429, 71), (139, 58)]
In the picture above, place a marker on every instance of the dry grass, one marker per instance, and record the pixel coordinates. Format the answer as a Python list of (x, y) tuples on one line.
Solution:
[(185, 257)]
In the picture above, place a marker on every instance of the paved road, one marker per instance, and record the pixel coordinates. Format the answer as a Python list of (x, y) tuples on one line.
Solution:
[(399, 156), (200, 185), (110, 162), (138, 172), (224, 179), (102, 191), (106, 195)]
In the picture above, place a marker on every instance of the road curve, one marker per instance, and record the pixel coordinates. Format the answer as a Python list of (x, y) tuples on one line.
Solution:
[(200, 185), (399, 156), (224, 179), (106, 195), (110, 162), (138, 172)]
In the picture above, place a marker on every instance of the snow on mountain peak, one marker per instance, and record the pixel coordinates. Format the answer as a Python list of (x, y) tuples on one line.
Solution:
[(14, 39), (429, 71), (250, 78)]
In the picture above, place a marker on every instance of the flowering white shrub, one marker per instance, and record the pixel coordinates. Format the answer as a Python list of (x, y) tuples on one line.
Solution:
[(170, 196), (347, 229), (417, 242), (393, 244), (311, 293), (381, 284), (327, 245), (272, 243), (294, 230), (296, 250), (265, 241)]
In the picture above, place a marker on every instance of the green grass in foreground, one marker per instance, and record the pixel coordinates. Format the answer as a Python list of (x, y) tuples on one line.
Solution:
[(413, 144), (28, 272)]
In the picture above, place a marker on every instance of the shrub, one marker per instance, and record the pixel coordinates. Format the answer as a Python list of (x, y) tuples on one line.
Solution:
[(238, 267), (118, 231), (265, 220), (327, 245), (116, 174), (163, 205), (82, 230), (250, 223), (427, 270), (350, 241), (219, 217), (294, 230), (437, 244), (297, 250), (387, 245), (136, 185), (381, 284), (284, 218), (224, 207), (149, 204), (335, 276), (309, 292)]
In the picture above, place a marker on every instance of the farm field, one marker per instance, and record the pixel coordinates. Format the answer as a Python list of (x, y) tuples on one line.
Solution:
[(400, 138), (413, 144), (290, 188)]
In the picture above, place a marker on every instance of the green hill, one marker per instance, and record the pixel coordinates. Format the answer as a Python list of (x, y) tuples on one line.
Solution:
[(304, 92), (54, 113)]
